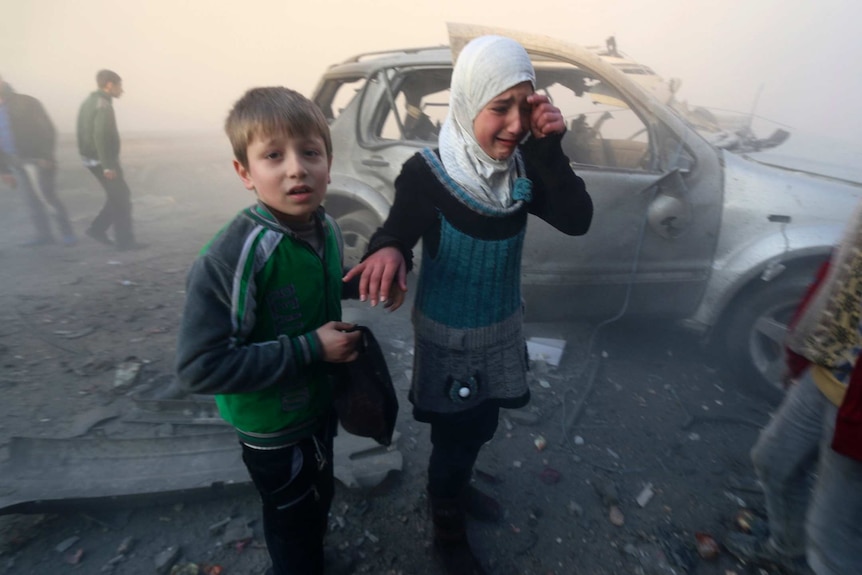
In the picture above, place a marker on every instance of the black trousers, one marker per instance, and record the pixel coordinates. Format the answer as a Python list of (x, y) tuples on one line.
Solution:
[(456, 440), (296, 487), (117, 211)]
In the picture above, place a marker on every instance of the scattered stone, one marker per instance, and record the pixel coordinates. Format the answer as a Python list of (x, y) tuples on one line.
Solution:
[(706, 545), (523, 416), (616, 516), (607, 491), (126, 545), (75, 557), (219, 526), (645, 495), (185, 569), (579, 440), (541, 443), (738, 500), (236, 530), (166, 559), (66, 544), (575, 509), (127, 373)]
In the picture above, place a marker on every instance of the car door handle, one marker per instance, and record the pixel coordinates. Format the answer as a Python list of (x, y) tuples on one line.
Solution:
[(375, 162)]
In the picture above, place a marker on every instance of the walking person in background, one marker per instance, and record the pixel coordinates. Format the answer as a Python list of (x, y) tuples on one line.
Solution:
[(822, 351), (99, 146), (27, 138), (499, 159)]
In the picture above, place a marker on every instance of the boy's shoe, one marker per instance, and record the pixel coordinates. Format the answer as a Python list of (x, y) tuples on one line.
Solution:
[(761, 551), (100, 237)]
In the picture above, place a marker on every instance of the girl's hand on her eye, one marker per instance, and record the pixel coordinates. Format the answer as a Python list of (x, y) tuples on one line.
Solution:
[(545, 118)]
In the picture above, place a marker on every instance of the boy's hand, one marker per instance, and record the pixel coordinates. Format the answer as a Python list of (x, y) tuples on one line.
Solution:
[(545, 119), (383, 270), (338, 346)]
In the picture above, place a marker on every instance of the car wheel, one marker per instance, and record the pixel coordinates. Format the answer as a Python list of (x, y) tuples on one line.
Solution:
[(357, 228), (754, 334)]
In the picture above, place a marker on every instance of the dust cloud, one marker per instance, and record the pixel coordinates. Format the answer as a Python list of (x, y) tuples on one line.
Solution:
[(184, 63)]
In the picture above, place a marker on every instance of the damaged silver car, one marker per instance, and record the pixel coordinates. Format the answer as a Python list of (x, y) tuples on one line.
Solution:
[(688, 225)]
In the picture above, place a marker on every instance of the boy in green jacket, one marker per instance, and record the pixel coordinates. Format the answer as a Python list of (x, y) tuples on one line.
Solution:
[(261, 325)]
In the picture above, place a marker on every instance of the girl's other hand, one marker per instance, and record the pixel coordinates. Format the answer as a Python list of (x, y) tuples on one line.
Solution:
[(545, 118), (379, 272)]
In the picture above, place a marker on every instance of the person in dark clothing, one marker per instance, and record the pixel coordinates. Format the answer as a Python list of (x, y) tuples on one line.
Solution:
[(499, 159), (27, 138), (99, 146)]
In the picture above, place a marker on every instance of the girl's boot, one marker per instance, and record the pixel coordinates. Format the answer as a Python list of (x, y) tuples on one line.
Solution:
[(450, 538)]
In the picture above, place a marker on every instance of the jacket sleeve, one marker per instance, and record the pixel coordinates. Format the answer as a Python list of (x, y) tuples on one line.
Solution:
[(104, 128), (212, 358), (559, 195)]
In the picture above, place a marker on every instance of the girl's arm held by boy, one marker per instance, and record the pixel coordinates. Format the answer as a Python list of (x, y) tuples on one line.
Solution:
[(381, 271)]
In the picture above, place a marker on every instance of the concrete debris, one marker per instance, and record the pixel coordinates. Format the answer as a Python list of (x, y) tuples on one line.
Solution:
[(525, 416), (65, 545), (616, 517), (546, 349), (707, 547), (126, 545), (361, 462), (166, 559), (645, 495), (237, 529), (127, 373), (607, 491)]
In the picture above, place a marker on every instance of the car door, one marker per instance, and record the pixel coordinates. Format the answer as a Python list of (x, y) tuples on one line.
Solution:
[(655, 186)]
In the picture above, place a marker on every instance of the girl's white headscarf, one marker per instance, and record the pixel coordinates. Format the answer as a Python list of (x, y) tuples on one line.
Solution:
[(487, 67)]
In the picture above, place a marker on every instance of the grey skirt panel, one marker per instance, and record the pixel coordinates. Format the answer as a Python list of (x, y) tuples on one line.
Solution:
[(457, 369)]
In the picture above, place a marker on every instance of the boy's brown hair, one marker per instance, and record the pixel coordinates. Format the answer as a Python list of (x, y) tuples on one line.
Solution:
[(266, 112)]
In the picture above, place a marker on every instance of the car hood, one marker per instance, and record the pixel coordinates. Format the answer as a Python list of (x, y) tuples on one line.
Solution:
[(757, 188), (814, 156)]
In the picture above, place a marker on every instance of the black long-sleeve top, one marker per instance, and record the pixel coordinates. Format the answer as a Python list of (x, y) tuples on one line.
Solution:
[(559, 197)]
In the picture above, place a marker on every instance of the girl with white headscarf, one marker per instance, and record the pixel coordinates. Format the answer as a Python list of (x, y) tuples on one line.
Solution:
[(499, 159)]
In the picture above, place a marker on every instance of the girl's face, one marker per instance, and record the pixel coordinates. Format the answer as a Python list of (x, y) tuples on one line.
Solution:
[(504, 121)]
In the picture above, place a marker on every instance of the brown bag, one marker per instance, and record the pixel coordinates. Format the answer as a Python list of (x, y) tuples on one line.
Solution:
[(365, 399)]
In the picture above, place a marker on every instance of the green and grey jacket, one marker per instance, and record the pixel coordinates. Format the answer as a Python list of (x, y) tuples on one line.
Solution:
[(98, 137), (255, 296)]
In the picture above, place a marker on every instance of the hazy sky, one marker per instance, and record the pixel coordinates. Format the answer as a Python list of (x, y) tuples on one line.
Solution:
[(184, 62)]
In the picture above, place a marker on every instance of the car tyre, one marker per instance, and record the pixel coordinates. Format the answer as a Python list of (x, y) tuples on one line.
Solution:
[(357, 228), (754, 334)]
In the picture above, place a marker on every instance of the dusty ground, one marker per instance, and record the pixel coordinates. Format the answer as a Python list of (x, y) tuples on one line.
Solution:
[(646, 410)]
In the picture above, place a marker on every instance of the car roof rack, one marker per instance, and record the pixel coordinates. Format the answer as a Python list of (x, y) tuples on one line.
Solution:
[(367, 55)]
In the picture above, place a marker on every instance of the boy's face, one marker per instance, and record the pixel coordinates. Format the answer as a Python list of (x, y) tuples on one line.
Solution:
[(290, 175), (504, 121)]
